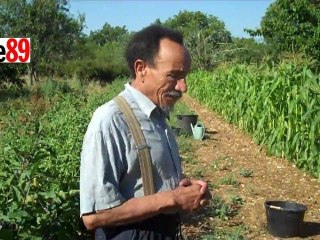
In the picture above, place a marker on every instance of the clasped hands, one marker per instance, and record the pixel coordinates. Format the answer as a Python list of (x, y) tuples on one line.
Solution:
[(191, 194)]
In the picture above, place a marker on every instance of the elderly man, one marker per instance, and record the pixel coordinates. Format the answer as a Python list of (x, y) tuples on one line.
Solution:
[(112, 192)]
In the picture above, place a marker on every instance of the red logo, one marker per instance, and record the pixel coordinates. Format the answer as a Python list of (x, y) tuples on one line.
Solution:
[(15, 50)]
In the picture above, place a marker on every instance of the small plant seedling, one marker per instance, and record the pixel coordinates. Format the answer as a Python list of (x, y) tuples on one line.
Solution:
[(246, 173), (229, 180), (236, 200)]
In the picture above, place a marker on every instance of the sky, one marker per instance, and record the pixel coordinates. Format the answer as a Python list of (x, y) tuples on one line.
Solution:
[(135, 15)]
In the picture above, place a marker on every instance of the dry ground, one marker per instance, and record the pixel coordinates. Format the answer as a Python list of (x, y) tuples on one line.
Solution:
[(231, 151)]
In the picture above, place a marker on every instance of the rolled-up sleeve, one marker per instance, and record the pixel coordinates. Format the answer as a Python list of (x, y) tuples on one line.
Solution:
[(101, 168)]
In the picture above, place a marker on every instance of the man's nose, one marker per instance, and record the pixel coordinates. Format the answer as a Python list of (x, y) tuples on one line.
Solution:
[(181, 85)]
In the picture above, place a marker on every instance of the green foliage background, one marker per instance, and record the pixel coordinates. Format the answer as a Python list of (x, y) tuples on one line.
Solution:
[(40, 145), (292, 26)]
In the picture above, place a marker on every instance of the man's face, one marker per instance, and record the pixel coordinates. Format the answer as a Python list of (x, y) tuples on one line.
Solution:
[(165, 82)]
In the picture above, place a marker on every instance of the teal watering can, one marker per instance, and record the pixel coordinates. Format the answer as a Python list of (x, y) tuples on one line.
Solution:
[(198, 130)]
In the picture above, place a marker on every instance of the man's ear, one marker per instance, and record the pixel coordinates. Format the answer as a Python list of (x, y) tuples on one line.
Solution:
[(140, 68)]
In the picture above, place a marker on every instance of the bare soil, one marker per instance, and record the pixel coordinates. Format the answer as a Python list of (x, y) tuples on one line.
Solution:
[(271, 178)]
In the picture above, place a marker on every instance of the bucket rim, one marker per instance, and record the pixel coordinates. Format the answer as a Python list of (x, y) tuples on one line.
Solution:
[(274, 204)]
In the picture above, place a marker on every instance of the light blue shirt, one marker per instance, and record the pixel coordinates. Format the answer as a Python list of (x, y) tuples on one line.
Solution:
[(109, 171)]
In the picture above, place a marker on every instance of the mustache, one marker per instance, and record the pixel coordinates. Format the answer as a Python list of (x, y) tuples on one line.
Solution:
[(174, 93)]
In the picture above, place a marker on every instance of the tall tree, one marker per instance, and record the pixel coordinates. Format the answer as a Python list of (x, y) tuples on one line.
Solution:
[(205, 36), (48, 23), (248, 50), (108, 34), (293, 26), (102, 57)]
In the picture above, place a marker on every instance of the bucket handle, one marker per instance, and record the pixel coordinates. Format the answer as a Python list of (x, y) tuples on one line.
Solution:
[(276, 207)]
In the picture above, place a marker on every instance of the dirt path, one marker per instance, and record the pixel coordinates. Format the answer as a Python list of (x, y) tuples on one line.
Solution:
[(227, 152)]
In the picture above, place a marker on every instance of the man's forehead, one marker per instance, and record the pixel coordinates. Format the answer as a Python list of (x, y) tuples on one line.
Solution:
[(172, 54)]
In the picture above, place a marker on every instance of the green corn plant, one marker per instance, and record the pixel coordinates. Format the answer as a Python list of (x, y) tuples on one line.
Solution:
[(278, 104)]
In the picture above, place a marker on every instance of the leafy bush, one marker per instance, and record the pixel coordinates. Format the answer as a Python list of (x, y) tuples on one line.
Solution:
[(40, 144), (9, 74), (101, 64)]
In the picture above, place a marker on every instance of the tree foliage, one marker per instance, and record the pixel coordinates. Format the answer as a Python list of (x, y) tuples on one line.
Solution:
[(48, 23), (9, 74), (102, 64), (292, 26), (101, 56), (205, 36), (247, 51), (108, 34)]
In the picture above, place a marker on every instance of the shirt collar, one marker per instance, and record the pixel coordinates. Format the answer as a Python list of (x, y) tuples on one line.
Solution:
[(143, 102)]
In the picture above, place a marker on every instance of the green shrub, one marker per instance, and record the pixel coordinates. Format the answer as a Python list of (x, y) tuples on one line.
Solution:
[(40, 161)]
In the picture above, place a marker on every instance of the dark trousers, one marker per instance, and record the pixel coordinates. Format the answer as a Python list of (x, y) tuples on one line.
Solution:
[(160, 227)]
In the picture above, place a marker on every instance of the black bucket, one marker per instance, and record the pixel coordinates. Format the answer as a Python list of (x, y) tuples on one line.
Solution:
[(184, 122), (284, 218)]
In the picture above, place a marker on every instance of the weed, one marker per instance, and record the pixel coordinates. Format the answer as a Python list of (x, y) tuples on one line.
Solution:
[(237, 233), (185, 145), (198, 173), (236, 200), (221, 209), (189, 160), (229, 180), (223, 162), (246, 173), (215, 165), (213, 185)]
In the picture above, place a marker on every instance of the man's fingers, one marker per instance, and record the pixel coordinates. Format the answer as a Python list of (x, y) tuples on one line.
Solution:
[(208, 195), (206, 199), (204, 186), (185, 182), (204, 202)]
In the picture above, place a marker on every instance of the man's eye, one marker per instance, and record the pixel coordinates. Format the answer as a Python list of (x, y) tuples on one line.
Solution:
[(171, 76)]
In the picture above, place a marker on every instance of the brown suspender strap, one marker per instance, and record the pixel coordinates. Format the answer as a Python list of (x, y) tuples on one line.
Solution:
[(141, 145)]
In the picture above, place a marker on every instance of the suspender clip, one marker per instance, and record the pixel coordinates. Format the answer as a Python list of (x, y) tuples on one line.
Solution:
[(140, 147)]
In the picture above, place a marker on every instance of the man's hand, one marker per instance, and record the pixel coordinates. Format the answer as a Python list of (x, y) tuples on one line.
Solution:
[(204, 189), (191, 195)]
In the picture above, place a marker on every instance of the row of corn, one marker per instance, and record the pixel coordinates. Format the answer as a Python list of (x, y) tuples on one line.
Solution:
[(278, 104)]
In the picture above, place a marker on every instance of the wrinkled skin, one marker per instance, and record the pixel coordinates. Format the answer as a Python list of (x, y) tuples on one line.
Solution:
[(164, 82)]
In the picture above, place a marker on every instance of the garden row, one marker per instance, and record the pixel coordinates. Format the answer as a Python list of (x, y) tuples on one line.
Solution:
[(278, 104)]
